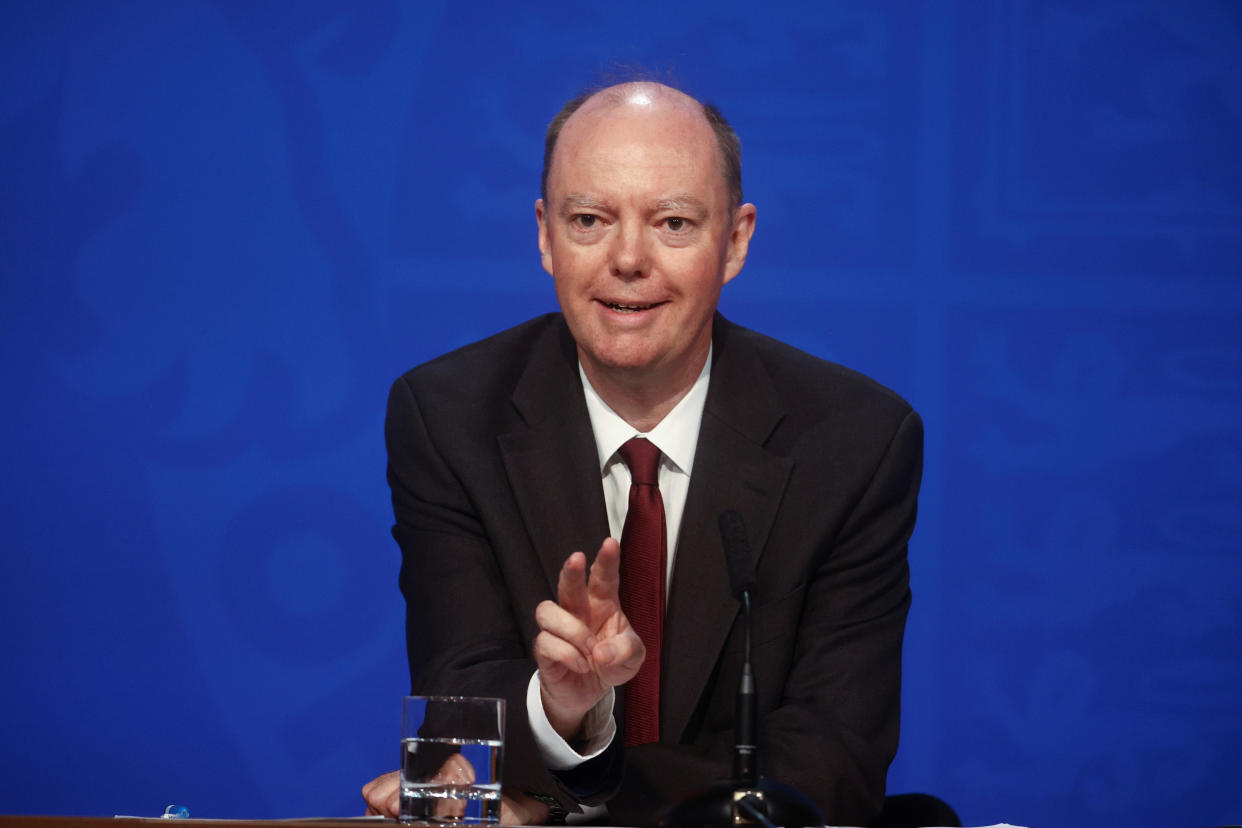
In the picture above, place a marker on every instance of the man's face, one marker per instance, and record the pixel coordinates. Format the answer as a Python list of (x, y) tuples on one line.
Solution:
[(639, 236)]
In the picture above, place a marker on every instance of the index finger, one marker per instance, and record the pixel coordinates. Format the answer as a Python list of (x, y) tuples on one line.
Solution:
[(571, 587)]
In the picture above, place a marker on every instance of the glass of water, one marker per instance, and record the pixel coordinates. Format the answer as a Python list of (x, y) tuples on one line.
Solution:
[(451, 750)]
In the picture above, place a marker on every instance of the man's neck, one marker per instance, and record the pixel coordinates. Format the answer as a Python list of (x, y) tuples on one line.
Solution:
[(644, 398)]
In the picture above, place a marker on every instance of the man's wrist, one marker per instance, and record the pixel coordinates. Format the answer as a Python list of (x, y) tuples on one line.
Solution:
[(568, 725), (595, 734)]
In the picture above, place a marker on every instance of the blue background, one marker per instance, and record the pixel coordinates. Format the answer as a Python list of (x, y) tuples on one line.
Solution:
[(227, 226)]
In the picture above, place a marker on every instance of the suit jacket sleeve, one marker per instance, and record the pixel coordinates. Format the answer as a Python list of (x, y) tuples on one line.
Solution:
[(834, 731), (463, 635)]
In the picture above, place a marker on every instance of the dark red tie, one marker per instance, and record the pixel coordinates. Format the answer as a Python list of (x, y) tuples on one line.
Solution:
[(644, 541)]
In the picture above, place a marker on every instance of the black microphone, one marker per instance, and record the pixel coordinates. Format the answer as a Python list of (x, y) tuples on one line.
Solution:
[(737, 553), (746, 715)]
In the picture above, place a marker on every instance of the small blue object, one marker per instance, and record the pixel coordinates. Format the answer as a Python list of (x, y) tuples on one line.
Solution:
[(176, 812)]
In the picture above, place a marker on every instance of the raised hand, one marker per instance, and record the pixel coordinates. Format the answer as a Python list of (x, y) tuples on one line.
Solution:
[(586, 645)]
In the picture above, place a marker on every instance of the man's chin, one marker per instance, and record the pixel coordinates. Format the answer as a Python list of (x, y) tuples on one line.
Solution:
[(625, 363), (637, 365)]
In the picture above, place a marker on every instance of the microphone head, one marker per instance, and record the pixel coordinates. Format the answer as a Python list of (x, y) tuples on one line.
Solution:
[(737, 553)]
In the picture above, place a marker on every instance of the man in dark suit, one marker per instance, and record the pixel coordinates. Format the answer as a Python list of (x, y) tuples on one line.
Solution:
[(510, 454)]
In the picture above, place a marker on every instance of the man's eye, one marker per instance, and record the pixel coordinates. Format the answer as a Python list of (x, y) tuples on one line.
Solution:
[(676, 224), (585, 220)]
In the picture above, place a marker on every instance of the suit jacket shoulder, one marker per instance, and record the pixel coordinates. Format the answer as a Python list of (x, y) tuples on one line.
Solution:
[(801, 386), (482, 376)]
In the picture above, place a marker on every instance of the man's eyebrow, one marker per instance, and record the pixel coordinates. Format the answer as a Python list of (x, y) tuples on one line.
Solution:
[(682, 204), (580, 201)]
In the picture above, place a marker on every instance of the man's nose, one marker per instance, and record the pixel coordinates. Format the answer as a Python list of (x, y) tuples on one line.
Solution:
[(629, 250)]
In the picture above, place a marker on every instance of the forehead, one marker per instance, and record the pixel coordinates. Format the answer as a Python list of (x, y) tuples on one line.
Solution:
[(628, 145)]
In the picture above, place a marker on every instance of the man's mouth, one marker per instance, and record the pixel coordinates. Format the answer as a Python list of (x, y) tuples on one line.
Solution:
[(619, 308)]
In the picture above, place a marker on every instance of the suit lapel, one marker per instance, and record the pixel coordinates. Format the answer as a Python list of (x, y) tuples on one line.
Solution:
[(732, 470), (551, 459)]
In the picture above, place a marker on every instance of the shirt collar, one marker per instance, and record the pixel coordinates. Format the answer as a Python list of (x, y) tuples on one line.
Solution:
[(676, 436)]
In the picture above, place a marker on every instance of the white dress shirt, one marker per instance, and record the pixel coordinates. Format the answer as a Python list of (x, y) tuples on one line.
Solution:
[(677, 437)]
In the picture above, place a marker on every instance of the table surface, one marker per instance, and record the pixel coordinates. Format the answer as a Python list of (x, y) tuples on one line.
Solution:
[(18, 821)]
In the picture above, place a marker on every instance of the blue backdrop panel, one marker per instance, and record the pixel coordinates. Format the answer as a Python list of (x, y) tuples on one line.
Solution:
[(226, 227)]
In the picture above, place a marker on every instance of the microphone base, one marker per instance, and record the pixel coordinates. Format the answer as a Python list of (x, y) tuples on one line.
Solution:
[(717, 807)]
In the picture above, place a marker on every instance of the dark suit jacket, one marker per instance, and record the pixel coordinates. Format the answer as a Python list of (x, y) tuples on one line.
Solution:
[(495, 481)]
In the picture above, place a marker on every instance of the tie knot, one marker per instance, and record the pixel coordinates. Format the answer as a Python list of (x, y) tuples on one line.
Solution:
[(643, 459)]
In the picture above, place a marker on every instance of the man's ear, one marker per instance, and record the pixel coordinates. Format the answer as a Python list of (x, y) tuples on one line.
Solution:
[(545, 235), (739, 240)]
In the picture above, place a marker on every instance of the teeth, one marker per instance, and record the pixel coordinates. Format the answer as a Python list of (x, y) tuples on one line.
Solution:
[(628, 308)]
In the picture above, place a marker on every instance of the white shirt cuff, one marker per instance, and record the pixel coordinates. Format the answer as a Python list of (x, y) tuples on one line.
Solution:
[(598, 727)]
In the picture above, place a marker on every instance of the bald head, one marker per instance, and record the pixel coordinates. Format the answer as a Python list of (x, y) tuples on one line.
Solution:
[(658, 100)]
